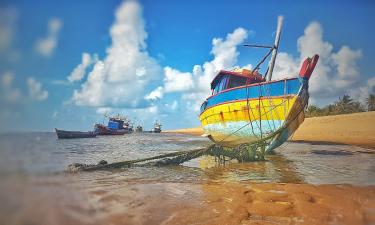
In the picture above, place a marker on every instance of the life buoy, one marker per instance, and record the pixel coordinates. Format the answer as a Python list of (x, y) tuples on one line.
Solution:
[(308, 67)]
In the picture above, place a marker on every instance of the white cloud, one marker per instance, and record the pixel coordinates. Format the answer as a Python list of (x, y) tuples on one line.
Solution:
[(79, 72), (335, 73), (36, 91), (127, 72), (285, 66), (8, 92), (7, 25), (11, 94), (175, 80), (363, 92), (155, 94), (195, 85), (225, 57), (152, 109), (124, 78), (45, 46), (346, 62)]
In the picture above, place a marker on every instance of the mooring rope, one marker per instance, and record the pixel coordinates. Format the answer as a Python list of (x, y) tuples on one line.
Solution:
[(175, 158)]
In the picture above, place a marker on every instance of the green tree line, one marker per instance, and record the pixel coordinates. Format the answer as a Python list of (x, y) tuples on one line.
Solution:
[(344, 105)]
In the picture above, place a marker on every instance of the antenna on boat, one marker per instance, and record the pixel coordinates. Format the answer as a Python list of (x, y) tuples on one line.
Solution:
[(275, 47), (271, 49)]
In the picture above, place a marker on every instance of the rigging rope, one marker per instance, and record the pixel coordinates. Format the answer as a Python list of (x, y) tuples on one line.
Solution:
[(175, 158)]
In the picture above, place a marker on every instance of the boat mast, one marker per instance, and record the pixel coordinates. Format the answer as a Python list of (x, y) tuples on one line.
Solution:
[(275, 48)]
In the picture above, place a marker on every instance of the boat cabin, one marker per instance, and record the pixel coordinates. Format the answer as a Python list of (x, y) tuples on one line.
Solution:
[(115, 123), (230, 79)]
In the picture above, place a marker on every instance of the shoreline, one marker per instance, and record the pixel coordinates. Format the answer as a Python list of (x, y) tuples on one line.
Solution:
[(349, 129)]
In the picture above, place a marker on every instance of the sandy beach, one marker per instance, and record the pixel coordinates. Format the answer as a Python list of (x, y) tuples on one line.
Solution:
[(186, 203), (351, 129)]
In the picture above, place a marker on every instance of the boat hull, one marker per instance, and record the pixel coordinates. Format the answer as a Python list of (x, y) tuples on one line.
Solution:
[(271, 107), (63, 134), (103, 130)]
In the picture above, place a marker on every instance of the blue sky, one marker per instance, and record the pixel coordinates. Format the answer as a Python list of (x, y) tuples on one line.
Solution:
[(43, 42)]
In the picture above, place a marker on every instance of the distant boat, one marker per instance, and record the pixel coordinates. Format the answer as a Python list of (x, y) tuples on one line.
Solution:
[(139, 128), (157, 127), (117, 125), (63, 134), (248, 108), (101, 129)]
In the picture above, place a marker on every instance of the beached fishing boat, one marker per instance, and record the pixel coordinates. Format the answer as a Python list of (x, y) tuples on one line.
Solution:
[(247, 107), (63, 134)]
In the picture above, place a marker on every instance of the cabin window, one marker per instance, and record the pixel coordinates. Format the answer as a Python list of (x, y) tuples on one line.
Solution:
[(221, 85), (235, 81)]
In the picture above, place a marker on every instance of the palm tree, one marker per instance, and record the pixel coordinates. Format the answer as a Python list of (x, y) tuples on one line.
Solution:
[(344, 104), (312, 111), (370, 102)]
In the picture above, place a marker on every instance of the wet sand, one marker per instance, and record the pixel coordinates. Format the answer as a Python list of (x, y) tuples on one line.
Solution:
[(351, 129), (62, 201), (293, 203), (301, 183)]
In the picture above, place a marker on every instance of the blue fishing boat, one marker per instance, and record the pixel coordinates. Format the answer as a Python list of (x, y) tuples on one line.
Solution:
[(117, 125), (248, 108)]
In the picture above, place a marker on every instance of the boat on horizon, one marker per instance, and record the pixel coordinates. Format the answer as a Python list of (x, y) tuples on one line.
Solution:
[(139, 129), (117, 125), (157, 127), (246, 107), (64, 134)]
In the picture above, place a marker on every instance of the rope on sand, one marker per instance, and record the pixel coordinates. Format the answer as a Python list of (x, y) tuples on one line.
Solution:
[(174, 158), (254, 151), (243, 153)]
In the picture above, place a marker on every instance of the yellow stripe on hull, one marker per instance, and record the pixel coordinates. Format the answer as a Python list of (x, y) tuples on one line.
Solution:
[(264, 109)]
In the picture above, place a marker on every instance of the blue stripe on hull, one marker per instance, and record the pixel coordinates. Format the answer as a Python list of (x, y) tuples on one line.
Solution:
[(264, 89)]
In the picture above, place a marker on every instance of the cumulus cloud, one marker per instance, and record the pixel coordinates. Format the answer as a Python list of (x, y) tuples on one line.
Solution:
[(363, 92), (175, 80), (335, 73), (195, 85), (45, 46), (128, 78), (121, 78), (11, 94), (225, 57), (155, 94), (7, 24), (79, 72), (36, 91)]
